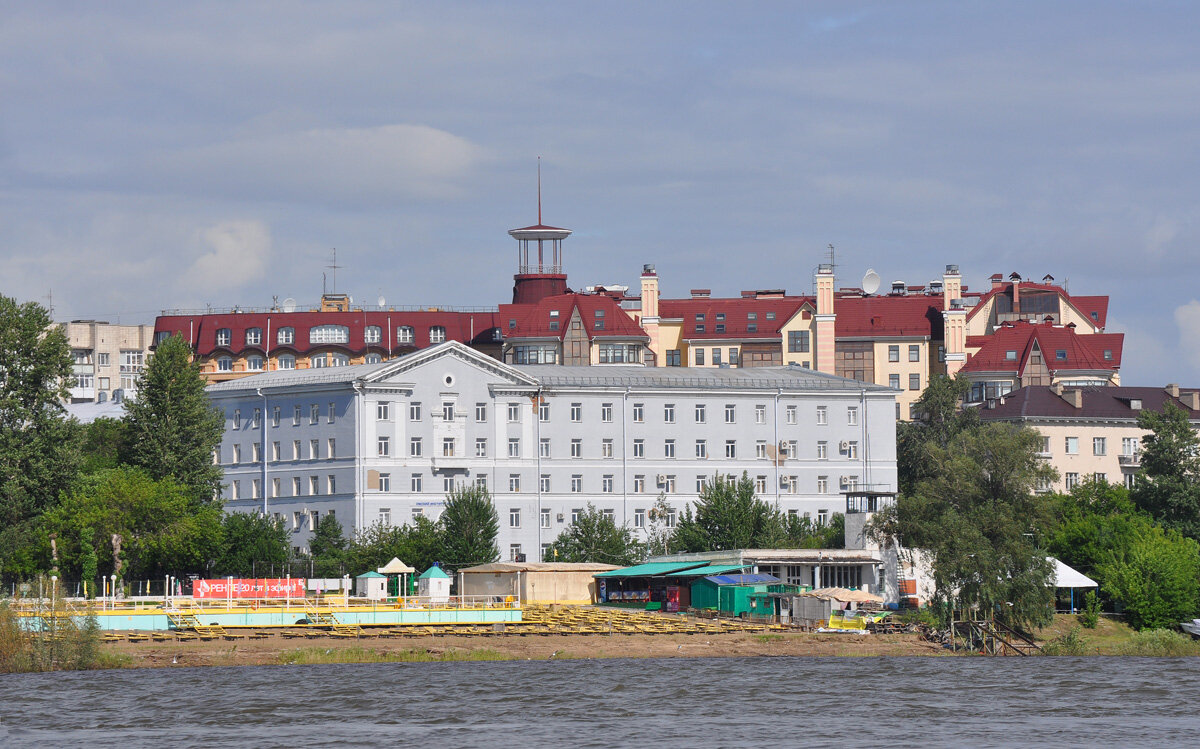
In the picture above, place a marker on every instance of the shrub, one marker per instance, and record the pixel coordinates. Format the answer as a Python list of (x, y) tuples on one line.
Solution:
[(1160, 643), (1090, 616), (1069, 644)]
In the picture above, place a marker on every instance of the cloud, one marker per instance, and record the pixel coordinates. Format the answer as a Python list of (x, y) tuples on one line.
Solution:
[(1187, 319), (372, 165), (239, 254), (1160, 235)]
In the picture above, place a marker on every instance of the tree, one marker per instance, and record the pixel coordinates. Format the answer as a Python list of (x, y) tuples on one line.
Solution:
[(470, 525), (1168, 486), (253, 545), (660, 528), (101, 444), (595, 537), (937, 418), (728, 515), (1155, 579), (803, 533), (328, 548), (419, 545), (38, 453), (172, 427), (163, 531)]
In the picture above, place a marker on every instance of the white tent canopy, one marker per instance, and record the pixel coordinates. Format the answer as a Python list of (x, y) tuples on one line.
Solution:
[(396, 567), (1065, 577)]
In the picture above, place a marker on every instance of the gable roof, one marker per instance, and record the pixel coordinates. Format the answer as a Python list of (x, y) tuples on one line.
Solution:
[(733, 315), (1092, 308), (889, 316), (1079, 352), (601, 315)]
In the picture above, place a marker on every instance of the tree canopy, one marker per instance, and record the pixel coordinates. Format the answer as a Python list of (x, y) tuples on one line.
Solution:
[(1168, 486), (593, 536), (469, 528), (172, 429), (728, 515)]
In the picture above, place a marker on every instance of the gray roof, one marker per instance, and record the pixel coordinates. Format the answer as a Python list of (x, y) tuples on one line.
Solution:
[(787, 377), (86, 413), (289, 377)]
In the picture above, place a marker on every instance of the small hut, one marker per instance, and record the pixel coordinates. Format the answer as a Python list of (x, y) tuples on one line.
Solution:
[(400, 571), (434, 584), (371, 585)]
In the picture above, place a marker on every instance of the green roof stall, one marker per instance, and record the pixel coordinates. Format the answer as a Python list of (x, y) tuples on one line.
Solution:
[(731, 593), (656, 585)]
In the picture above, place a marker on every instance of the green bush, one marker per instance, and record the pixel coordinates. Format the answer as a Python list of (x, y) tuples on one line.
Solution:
[(1072, 643), (66, 645), (1090, 616), (1160, 643)]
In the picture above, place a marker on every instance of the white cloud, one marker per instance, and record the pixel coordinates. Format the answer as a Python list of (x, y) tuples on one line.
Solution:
[(1160, 235), (238, 255), (1187, 319)]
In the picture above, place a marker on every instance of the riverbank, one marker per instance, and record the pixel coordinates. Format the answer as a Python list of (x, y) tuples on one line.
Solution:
[(275, 650)]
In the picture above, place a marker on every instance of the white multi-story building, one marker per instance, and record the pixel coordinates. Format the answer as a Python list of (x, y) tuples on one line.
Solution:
[(107, 359), (386, 442)]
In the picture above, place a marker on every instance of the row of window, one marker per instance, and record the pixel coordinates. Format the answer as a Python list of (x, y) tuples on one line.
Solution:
[(315, 484), (383, 412), (1072, 480), (128, 382), (131, 359), (665, 483), (914, 381), (314, 415), (314, 452), (1129, 446), (256, 363), (330, 334), (788, 449)]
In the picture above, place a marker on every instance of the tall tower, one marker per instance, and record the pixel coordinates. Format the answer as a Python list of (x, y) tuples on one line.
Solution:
[(954, 316), (539, 258), (826, 320)]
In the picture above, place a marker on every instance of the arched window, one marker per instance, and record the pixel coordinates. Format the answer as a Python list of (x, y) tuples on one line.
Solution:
[(286, 335), (437, 334), (373, 334), (224, 364), (329, 334), (339, 360), (404, 334), (373, 359), (254, 363), (253, 336), (224, 336), (286, 361), (318, 361)]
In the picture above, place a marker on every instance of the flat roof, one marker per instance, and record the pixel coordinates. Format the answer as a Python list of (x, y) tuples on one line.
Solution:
[(712, 569), (651, 569), (540, 567)]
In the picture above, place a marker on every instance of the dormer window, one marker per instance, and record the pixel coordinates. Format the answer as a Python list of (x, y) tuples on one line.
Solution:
[(1010, 355), (770, 315), (720, 328), (720, 317), (1060, 355), (599, 313), (553, 313), (554, 324), (404, 334), (329, 334), (253, 336), (752, 327), (1136, 404), (286, 335), (1108, 354), (372, 334), (1096, 316), (699, 328), (751, 315), (224, 336), (437, 334), (699, 317)]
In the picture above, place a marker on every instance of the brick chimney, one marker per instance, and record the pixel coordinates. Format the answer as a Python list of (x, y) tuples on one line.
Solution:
[(1173, 390), (1191, 399)]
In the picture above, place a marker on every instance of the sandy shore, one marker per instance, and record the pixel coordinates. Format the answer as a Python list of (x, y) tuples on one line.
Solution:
[(275, 649)]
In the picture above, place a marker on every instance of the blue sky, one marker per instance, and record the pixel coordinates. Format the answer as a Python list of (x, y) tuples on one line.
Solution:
[(177, 155)]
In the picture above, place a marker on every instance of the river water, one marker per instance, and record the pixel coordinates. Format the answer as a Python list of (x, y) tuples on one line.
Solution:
[(750, 702)]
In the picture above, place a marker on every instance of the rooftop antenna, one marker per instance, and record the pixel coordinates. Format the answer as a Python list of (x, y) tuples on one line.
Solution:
[(334, 267), (539, 190), (50, 302), (832, 263)]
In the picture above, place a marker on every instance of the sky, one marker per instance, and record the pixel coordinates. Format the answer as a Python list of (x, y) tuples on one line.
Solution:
[(178, 155)]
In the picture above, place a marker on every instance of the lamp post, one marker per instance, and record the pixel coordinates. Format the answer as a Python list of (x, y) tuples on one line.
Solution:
[(113, 590)]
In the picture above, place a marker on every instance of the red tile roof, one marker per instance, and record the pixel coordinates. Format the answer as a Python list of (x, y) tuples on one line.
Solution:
[(1082, 352), (1085, 304), (884, 316), (534, 320), (736, 312), (1095, 308)]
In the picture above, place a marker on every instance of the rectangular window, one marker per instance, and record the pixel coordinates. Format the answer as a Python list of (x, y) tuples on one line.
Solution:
[(575, 513), (415, 484), (295, 486), (701, 449), (790, 414), (760, 484), (256, 420), (514, 413), (314, 485), (914, 352), (275, 487), (822, 484), (716, 353), (669, 413), (639, 484), (481, 447), (1072, 445), (237, 419), (639, 412), (331, 444), (480, 412), (275, 416), (606, 483), (447, 447), (669, 483), (256, 452), (414, 411), (822, 450), (730, 413), (914, 381), (256, 489), (447, 411), (514, 517), (577, 448), (852, 415), (514, 482), (235, 490), (296, 416), (314, 449), (606, 412), (544, 447), (852, 450), (1100, 477), (384, 447), (385, 482), (1071, 480), (544, 487), (1130, 445), (700, 413), (576, 484), (894, 381), (673, 358), (331, 483), (731, 449), (514, 447), (793, 449), (545, 518), (798, 341), (760, 414), (669, 449), (639, 518), (314, 413), (514, 553), (543, 411), (606, 448), (481, 481), (275, 452), (1099, 446), (699, 357), (822, 415), (576, 412), (331, 413), (894, 352), (296, 450), (639, 448), (760, 449), (414, 447)]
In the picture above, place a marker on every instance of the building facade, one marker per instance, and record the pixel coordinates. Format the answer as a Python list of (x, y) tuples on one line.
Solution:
[(1089, 432), (387, 442), (107, 359)]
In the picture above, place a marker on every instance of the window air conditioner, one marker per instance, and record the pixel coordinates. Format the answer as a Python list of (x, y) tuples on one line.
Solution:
[(783, 446), (844, 445), (660, 479)]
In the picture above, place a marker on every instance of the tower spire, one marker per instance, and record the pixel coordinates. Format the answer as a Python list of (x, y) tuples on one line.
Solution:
[(539, 190)]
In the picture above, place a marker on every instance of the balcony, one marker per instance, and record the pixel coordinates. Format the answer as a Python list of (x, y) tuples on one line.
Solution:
[(1130, 461), (1044, 455)]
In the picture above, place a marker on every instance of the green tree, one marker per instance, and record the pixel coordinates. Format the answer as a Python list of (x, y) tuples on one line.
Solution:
[(803, 533), (470, 525), (89, 566), (163, 530), (418, 545), (938, 417), (1168, 486), (101, 444), (595, 537), (253, 545), (1155, 579), (728, 515), (328, 548), (172, 427), (660, 527), (38, 447)]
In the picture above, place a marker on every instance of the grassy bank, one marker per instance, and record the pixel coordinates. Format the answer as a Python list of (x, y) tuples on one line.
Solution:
[(63, 646), (1112, 637)]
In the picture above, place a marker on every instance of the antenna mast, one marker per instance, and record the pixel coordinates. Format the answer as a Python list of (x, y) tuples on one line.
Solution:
[(539, 190), (334, 267)]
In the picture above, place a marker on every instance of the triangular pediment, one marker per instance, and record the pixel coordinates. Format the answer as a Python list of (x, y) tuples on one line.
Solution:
[(451, 350)]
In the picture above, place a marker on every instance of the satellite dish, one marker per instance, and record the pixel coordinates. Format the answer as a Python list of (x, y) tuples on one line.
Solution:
[(871, 281), (289, 305), (381, 301)]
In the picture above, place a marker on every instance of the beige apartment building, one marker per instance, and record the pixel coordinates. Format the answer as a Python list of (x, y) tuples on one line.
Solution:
[(108, 358), (1089, 432)]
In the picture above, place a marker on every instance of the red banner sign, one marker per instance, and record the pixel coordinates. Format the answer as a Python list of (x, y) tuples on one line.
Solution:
[(249, 588)]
